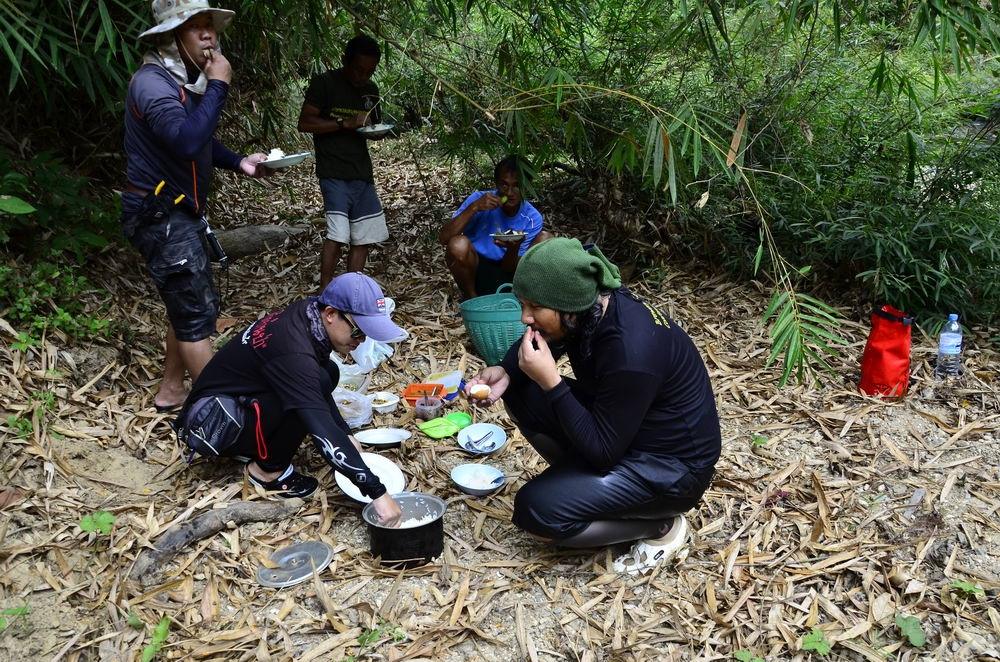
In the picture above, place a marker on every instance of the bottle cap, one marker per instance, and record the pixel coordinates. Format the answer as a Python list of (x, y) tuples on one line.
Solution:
[(953, 317)]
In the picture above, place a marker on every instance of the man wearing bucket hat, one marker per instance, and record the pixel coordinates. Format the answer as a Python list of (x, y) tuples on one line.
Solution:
[(270, 386), (172, 108), (633, 440)]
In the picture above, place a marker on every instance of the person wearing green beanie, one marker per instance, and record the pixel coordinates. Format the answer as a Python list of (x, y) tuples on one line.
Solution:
[(632, 439)]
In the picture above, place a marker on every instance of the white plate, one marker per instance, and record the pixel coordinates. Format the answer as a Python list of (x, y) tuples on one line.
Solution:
[(386, 470), (382, 436), (287, 160), (509, 237), (375, 130), (476, 431)]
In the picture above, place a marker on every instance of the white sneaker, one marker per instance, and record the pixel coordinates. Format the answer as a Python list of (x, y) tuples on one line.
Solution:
[(647, 554)]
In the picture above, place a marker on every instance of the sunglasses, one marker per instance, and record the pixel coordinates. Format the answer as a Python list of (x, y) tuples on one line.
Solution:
[(356, 332)]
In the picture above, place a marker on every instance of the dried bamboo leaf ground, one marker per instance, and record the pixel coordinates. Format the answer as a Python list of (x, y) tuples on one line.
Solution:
[(854, 510)]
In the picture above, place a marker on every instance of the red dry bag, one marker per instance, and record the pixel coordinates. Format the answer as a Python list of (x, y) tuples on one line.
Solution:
[(885, 365)]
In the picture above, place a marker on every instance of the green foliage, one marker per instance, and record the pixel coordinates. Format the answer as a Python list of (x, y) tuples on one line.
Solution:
[(46, 399), (134, 621), (384, 629), (13, 205), (801, 331), (965, 588), (9, 615), (855, 137), (21, 426), (758, 441), (47, 295), (64, 212), (817, 642), (160, 634), (911, 630), (745, 655), (100, 520)]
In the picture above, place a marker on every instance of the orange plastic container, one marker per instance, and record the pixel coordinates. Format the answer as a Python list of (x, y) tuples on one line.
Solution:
[(413, 392)]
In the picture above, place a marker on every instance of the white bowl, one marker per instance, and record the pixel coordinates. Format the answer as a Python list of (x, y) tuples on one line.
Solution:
[(383, 437), (286, 161), (478, 431), (391, 401), (477, 479), (386, 470)]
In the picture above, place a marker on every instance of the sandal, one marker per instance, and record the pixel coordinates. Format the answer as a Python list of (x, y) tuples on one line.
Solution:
[(290, 485), (647, 554)]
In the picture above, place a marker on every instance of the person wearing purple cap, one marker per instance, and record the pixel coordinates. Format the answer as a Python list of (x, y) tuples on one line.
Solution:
[(272, 385)]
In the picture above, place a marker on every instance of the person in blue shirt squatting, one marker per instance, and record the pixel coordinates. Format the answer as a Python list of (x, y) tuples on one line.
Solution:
[(479, 262), (172, 108), (632, 439)]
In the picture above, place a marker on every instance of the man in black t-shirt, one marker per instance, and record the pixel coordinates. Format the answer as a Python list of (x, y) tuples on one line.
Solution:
[(280, 373), (337, 104)]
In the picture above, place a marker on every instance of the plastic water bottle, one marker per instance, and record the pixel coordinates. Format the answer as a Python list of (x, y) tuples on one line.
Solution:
[(949, 361)]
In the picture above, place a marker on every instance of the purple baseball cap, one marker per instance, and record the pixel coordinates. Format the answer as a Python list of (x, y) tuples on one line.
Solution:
[(361, 297)]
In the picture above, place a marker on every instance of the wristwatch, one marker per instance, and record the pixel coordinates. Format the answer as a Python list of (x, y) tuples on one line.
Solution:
[(340, 122)]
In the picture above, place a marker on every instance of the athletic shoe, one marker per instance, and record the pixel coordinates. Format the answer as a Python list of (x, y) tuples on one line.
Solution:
[(647, 554), (291, 485)]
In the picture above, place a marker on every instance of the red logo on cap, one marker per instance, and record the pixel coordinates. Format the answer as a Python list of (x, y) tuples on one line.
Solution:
[(380, 304)]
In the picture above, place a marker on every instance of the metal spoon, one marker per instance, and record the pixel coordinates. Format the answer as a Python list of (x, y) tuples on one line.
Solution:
[(476, 444)]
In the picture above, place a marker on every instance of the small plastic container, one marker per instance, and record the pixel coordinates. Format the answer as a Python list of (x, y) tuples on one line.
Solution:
[(450, 381), (414, 392), (384, 402), (428, 407)]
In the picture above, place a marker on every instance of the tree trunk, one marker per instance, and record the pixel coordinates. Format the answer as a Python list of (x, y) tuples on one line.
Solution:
[(255, 239)]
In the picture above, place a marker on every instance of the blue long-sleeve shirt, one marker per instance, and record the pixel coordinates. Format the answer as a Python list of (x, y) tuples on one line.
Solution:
[(169, 136)]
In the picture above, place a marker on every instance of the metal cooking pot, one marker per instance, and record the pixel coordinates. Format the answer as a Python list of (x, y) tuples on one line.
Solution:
[(413, 546)]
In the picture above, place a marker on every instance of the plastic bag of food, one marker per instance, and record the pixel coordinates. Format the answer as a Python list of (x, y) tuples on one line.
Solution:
[(354, 407)]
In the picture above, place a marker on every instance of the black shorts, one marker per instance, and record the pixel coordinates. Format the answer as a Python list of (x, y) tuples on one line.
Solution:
[(490, 275), (177, 260)]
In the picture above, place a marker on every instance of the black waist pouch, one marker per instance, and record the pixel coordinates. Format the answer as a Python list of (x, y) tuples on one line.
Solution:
[(212, 424)]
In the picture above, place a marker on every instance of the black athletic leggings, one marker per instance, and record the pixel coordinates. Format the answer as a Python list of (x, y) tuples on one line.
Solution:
[(272, 436), (575, 506)]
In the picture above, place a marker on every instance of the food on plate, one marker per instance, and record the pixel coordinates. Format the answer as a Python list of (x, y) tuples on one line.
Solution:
[(275, 154), (481, 480), (480, 391)]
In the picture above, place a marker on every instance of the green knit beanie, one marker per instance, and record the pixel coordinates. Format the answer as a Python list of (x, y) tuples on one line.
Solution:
[(562, 275)]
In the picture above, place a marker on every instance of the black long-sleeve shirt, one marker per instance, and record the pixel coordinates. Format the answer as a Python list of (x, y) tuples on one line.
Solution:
[(279, 354), (642, 397)]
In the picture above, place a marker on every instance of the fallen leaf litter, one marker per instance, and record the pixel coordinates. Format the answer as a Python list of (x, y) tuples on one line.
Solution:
[(851, 512)]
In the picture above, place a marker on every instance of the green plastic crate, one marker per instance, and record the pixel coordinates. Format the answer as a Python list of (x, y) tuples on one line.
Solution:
[(493, 322)]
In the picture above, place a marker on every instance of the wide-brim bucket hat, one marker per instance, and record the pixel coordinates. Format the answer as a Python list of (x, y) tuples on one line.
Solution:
[(170, 14)]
